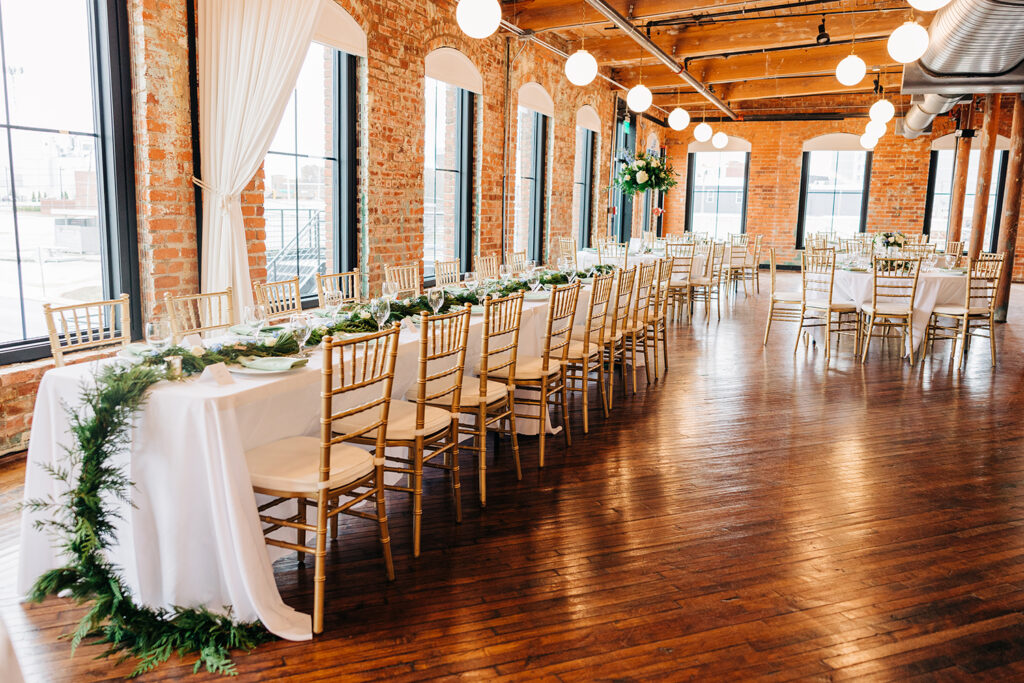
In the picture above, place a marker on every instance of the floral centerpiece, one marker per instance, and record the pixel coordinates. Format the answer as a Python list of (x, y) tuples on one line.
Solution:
[(646, 172), (884, 240)]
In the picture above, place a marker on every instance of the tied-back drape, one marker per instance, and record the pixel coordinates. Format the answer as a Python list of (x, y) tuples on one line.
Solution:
[(250, 54)]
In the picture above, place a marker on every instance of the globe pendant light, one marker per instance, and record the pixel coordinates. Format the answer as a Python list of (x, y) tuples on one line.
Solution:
[(882, 110), (702, 132), (851, 70), (867, 141), (928, 5), (678, 119), (581, 68), (478, 18), (639, 98), (719, 140), (875, 129), (908, 42)]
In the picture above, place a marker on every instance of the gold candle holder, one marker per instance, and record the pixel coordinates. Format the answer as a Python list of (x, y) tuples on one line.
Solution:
[(173, 367)]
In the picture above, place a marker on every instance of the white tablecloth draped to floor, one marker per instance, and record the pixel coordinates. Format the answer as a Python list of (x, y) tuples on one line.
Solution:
[(933, 289), (193, 537)]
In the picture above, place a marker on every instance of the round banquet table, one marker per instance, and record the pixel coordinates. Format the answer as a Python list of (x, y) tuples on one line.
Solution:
[(934, 288)]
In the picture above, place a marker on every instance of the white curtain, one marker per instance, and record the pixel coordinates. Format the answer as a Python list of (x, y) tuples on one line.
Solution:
[(250, 54)]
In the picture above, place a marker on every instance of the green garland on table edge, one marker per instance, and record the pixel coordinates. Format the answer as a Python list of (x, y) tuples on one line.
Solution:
[(84, 522)]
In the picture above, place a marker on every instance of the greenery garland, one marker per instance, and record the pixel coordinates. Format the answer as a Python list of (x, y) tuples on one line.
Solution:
[(644, 172)]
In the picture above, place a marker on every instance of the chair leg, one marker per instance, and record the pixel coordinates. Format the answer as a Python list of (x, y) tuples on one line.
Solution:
[(601, 386), (799, 332), (543, 420), (456, 478), (632, 359), (963, 341), (416, 455), (992, 337), (611, 374), (515, 438), (828, 335), (319, 556), (664, 345), (301, 533), (654, 341), (334, 520), (565, 410), (585, 381), (768, 325), (647, 359), (382, 523), (622, 365), (867, 338), (910, 340), (481, 459)]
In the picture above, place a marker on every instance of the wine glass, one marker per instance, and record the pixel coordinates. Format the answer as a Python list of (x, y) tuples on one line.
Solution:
[(531, 266), (158, 334), (390, 290), (255, 318), (534, 281), (469, 280), (505, 272), (947, 261), (435, 297), (332, 301), (380, 309), (301, 327)]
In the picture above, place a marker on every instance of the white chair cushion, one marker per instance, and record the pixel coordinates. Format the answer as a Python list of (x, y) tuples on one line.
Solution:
[(531, 367), (955, 310), (293, 464), (676, 282), (576, 349), (578, 333), (836, 305), (401, 421), (471, 391), (885, 309), (785, 295), (701, 281)]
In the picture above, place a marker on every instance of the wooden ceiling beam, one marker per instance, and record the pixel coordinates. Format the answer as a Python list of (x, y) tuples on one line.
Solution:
[(547, 15), (811, 61), (744, 36), (783, 87)]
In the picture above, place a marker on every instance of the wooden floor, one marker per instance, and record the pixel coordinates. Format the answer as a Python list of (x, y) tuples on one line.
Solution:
[(752, 516)]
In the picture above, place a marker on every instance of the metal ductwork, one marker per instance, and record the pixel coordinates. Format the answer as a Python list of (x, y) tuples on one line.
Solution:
[(975, 46), (646, 43)]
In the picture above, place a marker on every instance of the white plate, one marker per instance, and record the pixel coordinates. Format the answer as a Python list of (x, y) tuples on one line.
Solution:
[(124, 354), (352, 335), (242, 370)]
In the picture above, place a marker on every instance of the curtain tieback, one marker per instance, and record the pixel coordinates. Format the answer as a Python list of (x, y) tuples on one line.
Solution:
[(224, 198)]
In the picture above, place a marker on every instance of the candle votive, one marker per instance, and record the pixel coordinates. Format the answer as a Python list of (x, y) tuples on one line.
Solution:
[(173, 367)]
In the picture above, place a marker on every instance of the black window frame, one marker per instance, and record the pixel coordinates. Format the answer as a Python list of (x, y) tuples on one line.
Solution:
[(110, 38), (538, 188), (624, 146), (465, 115), (802, 207), (585, 221), (929, 204), (691, 164)]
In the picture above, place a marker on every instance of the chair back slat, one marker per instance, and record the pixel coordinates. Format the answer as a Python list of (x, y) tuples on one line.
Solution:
[(77, 327), (281, 298), (407, 278), (500, 341), (517, 262), (642, 297), (818, 271), (983, 277), (558, 331), (447, 273), (442, 358), (346, 283), (487, 268), (200, 313), (894, 281), (621, 299), (597, 310)]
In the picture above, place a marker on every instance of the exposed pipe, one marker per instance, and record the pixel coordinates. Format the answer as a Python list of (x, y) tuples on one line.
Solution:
[(646, 43), (920, 116)]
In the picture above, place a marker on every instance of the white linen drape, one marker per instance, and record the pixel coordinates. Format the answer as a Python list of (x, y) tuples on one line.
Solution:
[(250, 54)]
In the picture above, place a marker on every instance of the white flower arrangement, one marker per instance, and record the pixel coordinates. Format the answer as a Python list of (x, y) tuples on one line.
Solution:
[(197, 350), (885, 240), (645, 172)]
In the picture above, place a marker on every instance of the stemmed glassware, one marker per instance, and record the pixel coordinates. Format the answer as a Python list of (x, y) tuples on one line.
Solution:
[(469, 280), (947, 261), (158, 334), (505, 272), (255, 318), (380, 309), (332, 302), (390, 290), (435, 297), (301, 328), (534, 281)]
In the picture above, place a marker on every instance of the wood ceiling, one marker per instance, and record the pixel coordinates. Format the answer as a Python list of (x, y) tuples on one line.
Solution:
[(746, 51)]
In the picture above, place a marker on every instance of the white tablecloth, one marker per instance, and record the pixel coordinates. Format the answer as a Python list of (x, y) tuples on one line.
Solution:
[(933, 289), (194, 537)]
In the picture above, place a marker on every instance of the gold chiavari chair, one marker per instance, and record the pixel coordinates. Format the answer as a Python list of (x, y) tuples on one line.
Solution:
[(517, 262), (893, 289), (636, 326), (615, 253), (566, 248), (919, 250), (679, 238), (917, 238), (586, 348), (346, 283), (615, 338), (407, 278), (783, 306), (447, 273), (680, 286), (487, 402), (752, 266), (955, 248), (816, 241), (657, 328), (199, 313), (321, 472), (487, 268), (281, 298), (709, 283), (87, 326), (977, 314), (818, 272), (429, 433), (736, 264), (545, 374)]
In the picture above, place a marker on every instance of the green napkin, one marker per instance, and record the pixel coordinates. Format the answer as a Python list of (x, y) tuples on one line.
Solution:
[(272, 364), (138, 349), (245, 330)]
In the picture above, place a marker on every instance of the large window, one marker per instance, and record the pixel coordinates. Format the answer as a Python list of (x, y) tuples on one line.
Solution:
[(834, 193), (530, 184), (941, 188), (67, 211), (309, 174), (583, 184), (717, 188), (625, 147), (447, 176)]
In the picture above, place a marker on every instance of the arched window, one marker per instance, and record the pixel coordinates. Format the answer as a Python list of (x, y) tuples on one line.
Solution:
[(940, 190), (309, 191), (834, 183), (533, 115), (451, 84), (716, 186), (588, 126)]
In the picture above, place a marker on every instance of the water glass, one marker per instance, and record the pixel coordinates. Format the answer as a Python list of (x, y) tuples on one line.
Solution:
[(531, 266), (534, 281), (390, 290), (255, 318), (380, 309), (301, 327), (469, 280), (332, 301), (435, 297), (505, 272), (158, 334)]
